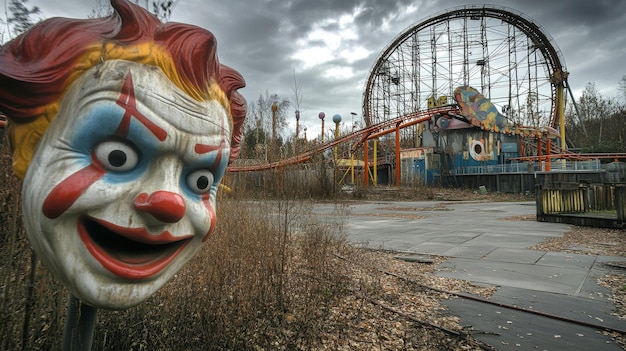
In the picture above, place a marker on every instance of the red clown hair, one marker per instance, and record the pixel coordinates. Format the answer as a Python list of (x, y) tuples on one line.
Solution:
[(37, 67)]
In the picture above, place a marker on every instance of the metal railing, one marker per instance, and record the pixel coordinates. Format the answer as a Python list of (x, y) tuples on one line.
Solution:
[(523, 167)]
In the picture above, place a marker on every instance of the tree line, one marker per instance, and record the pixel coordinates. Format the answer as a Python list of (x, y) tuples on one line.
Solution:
[(597, 123), (594, 123)]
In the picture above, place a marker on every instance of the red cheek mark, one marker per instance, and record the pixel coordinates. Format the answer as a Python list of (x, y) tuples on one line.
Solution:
[(207, 203), (128, 102), (69, 190)]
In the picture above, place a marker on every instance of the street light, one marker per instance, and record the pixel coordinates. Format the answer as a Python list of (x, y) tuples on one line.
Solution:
[(295, 148), (353, 115), (337, 120), (321, 116)]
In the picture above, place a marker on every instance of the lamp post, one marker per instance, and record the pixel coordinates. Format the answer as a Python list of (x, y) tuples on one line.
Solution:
[(295, 148), (337, 120), (352, 151), (321, 115), (353, 114)]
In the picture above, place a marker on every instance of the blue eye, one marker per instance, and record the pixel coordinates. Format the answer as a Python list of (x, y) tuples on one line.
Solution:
[(200, 181), (116, 156)]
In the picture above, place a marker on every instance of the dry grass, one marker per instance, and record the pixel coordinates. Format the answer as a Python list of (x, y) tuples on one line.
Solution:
[(271, 278)]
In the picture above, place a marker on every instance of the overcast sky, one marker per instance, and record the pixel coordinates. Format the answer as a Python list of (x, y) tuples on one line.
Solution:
[(331, 45)]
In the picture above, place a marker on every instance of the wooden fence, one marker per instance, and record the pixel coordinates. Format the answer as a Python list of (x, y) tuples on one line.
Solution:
[(596, 205)]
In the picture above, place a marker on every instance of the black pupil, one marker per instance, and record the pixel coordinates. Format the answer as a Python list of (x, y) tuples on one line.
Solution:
[(202, 182), (117, 158)]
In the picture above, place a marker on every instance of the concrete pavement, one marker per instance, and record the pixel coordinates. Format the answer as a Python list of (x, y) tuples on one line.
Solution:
[(486, 249)]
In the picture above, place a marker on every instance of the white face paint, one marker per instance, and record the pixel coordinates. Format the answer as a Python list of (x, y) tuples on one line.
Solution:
[(121, 191)]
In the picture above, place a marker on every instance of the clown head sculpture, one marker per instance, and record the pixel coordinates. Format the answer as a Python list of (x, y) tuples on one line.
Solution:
[(121, 128)]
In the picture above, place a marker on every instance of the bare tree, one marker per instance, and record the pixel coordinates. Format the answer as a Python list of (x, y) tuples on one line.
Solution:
[(297, 93), (163, 9), (160, 8), (102, 9), (602, 123), (595, 107), (264, 122), (3, 31), (19, 16), (622, 88)]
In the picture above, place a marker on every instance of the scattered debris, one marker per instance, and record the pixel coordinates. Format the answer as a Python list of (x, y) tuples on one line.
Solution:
[(416, 259)]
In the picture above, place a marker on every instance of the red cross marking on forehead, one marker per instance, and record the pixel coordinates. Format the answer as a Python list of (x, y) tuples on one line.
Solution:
[(128, 102), (204, 149)]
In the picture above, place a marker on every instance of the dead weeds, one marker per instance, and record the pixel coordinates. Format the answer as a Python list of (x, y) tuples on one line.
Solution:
[(262, 286)]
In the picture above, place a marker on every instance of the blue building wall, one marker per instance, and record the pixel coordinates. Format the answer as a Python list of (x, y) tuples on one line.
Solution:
[(460, 151)]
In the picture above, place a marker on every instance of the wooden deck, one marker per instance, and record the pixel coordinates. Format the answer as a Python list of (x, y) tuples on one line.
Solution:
[(599, 219)]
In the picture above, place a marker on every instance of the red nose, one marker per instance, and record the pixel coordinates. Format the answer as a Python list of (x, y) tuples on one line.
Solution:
[(165, 206)]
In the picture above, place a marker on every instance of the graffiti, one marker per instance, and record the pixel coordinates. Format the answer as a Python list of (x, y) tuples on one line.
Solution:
[(481, 149), (478, 110)]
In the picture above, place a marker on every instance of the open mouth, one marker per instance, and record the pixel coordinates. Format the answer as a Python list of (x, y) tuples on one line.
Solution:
[(129, 253)]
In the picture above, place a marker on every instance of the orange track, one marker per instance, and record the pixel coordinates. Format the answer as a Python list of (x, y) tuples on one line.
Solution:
[(367, 133)]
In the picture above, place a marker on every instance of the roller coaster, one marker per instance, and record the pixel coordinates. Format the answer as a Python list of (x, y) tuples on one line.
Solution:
[(486, 72), (474, 69)]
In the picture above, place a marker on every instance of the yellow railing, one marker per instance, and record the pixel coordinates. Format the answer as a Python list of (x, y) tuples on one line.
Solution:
[(563, 201), (600, 200)]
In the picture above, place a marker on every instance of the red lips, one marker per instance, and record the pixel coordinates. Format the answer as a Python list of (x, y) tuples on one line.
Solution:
[(130, 253)]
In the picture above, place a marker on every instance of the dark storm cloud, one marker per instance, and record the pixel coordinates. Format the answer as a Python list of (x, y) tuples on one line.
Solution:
[(590, 37), (579, 12), (265, 40)]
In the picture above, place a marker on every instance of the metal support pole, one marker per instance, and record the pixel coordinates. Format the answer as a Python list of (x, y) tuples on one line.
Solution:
[(79, 326), (398, 161), (295, 146), (548, 152), (335, 157), (366, 164), (336, 137), (561, 110), (352, 167), (540, 154), (375, 162)]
